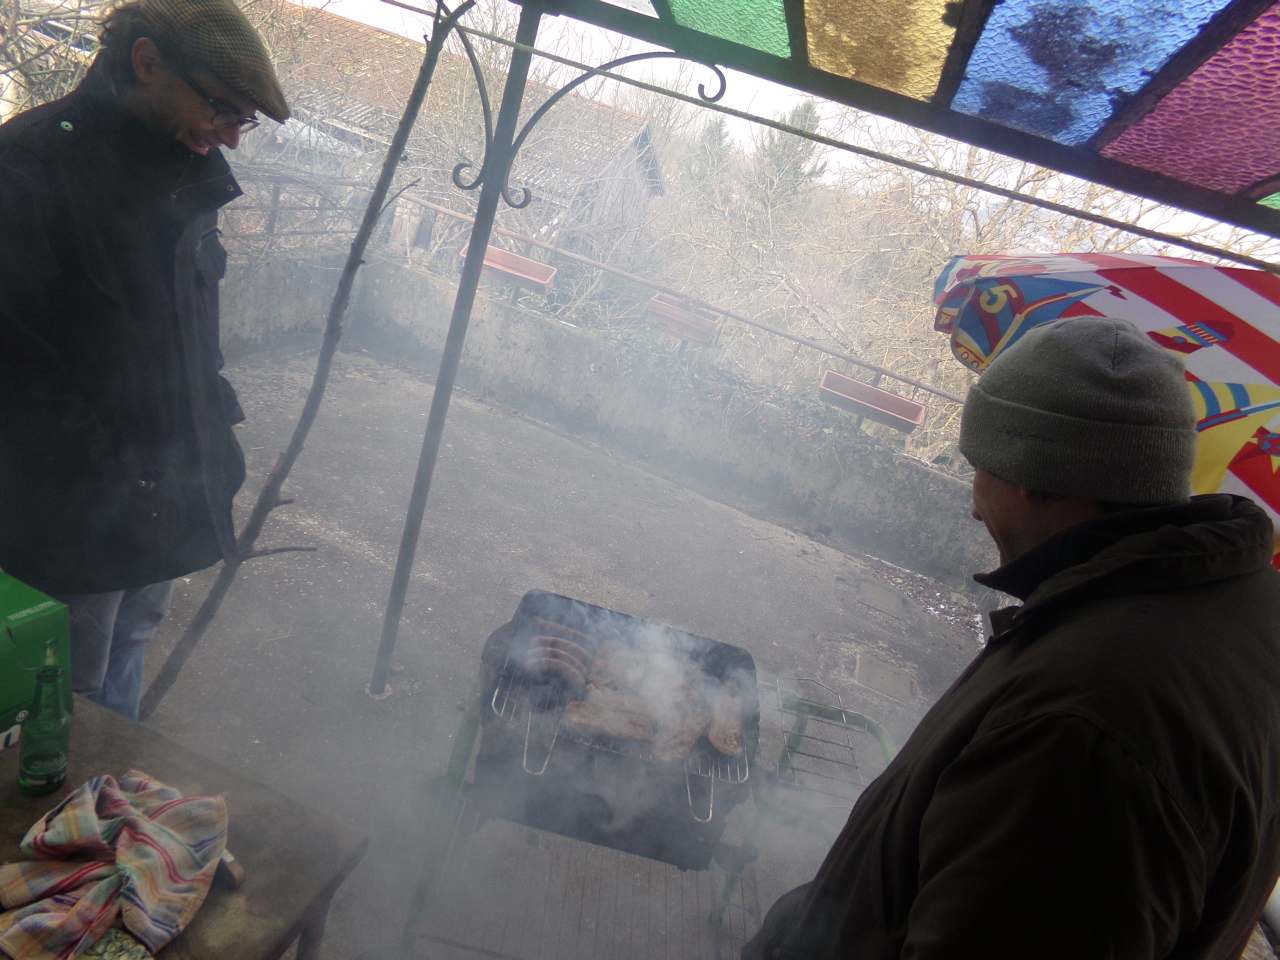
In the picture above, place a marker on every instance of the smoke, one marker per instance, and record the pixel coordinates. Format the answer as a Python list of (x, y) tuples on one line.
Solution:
[(612, 786), (643, 882)]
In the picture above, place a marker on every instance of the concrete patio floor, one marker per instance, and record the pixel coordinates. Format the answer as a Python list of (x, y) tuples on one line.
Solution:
[(278, 688)]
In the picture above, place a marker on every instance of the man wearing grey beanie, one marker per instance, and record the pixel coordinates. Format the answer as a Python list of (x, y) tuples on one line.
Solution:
[(1102, 781)]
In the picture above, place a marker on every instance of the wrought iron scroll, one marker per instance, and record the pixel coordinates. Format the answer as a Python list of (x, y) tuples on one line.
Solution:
[(486, 110), (487, 165)]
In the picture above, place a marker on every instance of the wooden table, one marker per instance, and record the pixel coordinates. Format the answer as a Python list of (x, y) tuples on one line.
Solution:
[(294, 858)]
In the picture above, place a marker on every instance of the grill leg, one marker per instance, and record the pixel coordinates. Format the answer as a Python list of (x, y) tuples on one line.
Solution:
[(735, 861), (793, 741)]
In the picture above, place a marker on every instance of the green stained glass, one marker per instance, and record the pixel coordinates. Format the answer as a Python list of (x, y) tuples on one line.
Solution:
[(1273, 201), (760, 24)]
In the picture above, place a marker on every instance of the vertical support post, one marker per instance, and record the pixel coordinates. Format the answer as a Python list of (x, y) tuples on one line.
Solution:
[(494, 177)]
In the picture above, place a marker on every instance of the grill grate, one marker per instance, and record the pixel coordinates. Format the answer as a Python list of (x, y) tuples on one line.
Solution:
[(821, 739), (519, 893), (513, 701)]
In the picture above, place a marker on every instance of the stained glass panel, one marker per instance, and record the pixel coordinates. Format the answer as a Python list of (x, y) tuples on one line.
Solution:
[(1219, 128), (899, 45), (1055, 67), (760, 24), (1272, 201), (636, 6)]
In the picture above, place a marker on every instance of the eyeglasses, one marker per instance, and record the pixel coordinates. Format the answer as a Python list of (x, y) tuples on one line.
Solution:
[(224, 113)]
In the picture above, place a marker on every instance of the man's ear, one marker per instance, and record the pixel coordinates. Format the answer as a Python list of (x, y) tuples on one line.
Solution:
[(1040, 496), (147, 62)]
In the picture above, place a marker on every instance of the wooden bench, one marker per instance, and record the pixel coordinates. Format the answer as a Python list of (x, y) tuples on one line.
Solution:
[(523, 271), (871, 402), (682, 321)]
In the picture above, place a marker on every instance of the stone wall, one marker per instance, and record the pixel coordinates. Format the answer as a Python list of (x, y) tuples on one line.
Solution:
[(779, 454)]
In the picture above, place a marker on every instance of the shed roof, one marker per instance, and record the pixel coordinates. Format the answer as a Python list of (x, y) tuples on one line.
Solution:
[(356, 78)]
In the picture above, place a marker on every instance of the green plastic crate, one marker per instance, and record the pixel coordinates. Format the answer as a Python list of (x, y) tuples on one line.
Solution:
[(29, 621)]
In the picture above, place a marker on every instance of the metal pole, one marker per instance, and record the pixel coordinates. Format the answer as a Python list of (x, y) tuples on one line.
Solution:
[(269, 497), (497, 163)]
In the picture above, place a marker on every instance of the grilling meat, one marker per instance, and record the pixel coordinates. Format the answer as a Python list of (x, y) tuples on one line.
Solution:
[(657, 702), (551, 629), (568, 648), (611, 713), (681, 727), (618, 666), (549, 662), (557, 657), (725, 732)]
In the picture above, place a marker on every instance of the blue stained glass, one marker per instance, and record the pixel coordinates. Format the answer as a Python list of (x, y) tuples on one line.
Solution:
[(1057, 67)]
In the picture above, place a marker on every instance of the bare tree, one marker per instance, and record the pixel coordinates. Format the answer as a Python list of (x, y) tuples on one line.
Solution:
[(45, 46)]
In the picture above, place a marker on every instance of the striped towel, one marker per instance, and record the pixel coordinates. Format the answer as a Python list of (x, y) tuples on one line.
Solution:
[(133, 852)]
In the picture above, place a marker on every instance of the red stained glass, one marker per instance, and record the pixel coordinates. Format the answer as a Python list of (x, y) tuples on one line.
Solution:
[(1219, 128)]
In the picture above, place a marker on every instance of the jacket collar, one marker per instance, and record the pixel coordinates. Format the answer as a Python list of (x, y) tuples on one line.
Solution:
[(196, 185), (1210, 538)]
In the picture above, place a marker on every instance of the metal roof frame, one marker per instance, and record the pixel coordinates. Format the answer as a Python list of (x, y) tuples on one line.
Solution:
[(937, 117)]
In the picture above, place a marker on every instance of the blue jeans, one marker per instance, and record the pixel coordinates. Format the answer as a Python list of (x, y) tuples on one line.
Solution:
[(109, 637)]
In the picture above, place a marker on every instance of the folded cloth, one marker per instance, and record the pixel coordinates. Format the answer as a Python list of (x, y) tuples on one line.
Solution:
[(135, 853)]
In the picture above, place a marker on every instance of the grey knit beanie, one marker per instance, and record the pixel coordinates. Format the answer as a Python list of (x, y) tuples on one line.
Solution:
[(1084, 407)]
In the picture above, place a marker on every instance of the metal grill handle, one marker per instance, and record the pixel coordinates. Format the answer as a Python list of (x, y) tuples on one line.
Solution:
[(544, 715), (711, 794)]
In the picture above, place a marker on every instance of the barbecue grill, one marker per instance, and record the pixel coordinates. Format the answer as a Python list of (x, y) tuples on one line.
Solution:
[(509, 874), (536, 769)]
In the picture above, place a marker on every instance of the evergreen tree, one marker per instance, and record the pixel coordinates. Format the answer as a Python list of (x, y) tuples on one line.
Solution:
[(784, 162)]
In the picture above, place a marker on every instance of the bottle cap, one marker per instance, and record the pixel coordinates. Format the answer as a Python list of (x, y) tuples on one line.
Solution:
[(50, 656)]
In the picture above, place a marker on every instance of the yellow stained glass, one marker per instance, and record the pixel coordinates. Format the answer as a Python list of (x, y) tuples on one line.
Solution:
[(899, 45)]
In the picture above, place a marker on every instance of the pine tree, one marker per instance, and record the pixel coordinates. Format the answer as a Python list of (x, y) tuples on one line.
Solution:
[(784, 162)]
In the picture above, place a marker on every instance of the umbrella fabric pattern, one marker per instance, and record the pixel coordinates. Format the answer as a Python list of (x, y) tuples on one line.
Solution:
[(1223, 322)]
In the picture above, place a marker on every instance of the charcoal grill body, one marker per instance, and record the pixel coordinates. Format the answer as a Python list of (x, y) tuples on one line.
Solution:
[(596, 789)]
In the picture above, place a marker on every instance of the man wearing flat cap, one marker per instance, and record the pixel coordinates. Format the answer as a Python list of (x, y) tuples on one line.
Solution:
[(118, 464), (1103, 780)]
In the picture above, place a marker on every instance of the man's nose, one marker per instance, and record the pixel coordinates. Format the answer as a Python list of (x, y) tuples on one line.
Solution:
[(230, 137)]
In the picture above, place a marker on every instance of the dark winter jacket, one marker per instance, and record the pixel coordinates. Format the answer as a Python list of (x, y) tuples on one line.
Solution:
[(1103, 781), (117, 460)]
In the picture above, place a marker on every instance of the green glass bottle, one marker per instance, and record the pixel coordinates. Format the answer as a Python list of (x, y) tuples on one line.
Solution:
[(45, 741)]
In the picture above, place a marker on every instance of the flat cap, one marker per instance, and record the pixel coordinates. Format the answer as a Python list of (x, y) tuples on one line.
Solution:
[(217, 34)]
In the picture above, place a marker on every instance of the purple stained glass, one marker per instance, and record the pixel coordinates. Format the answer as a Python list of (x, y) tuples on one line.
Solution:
[(1056, 67), (1220, 127)]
